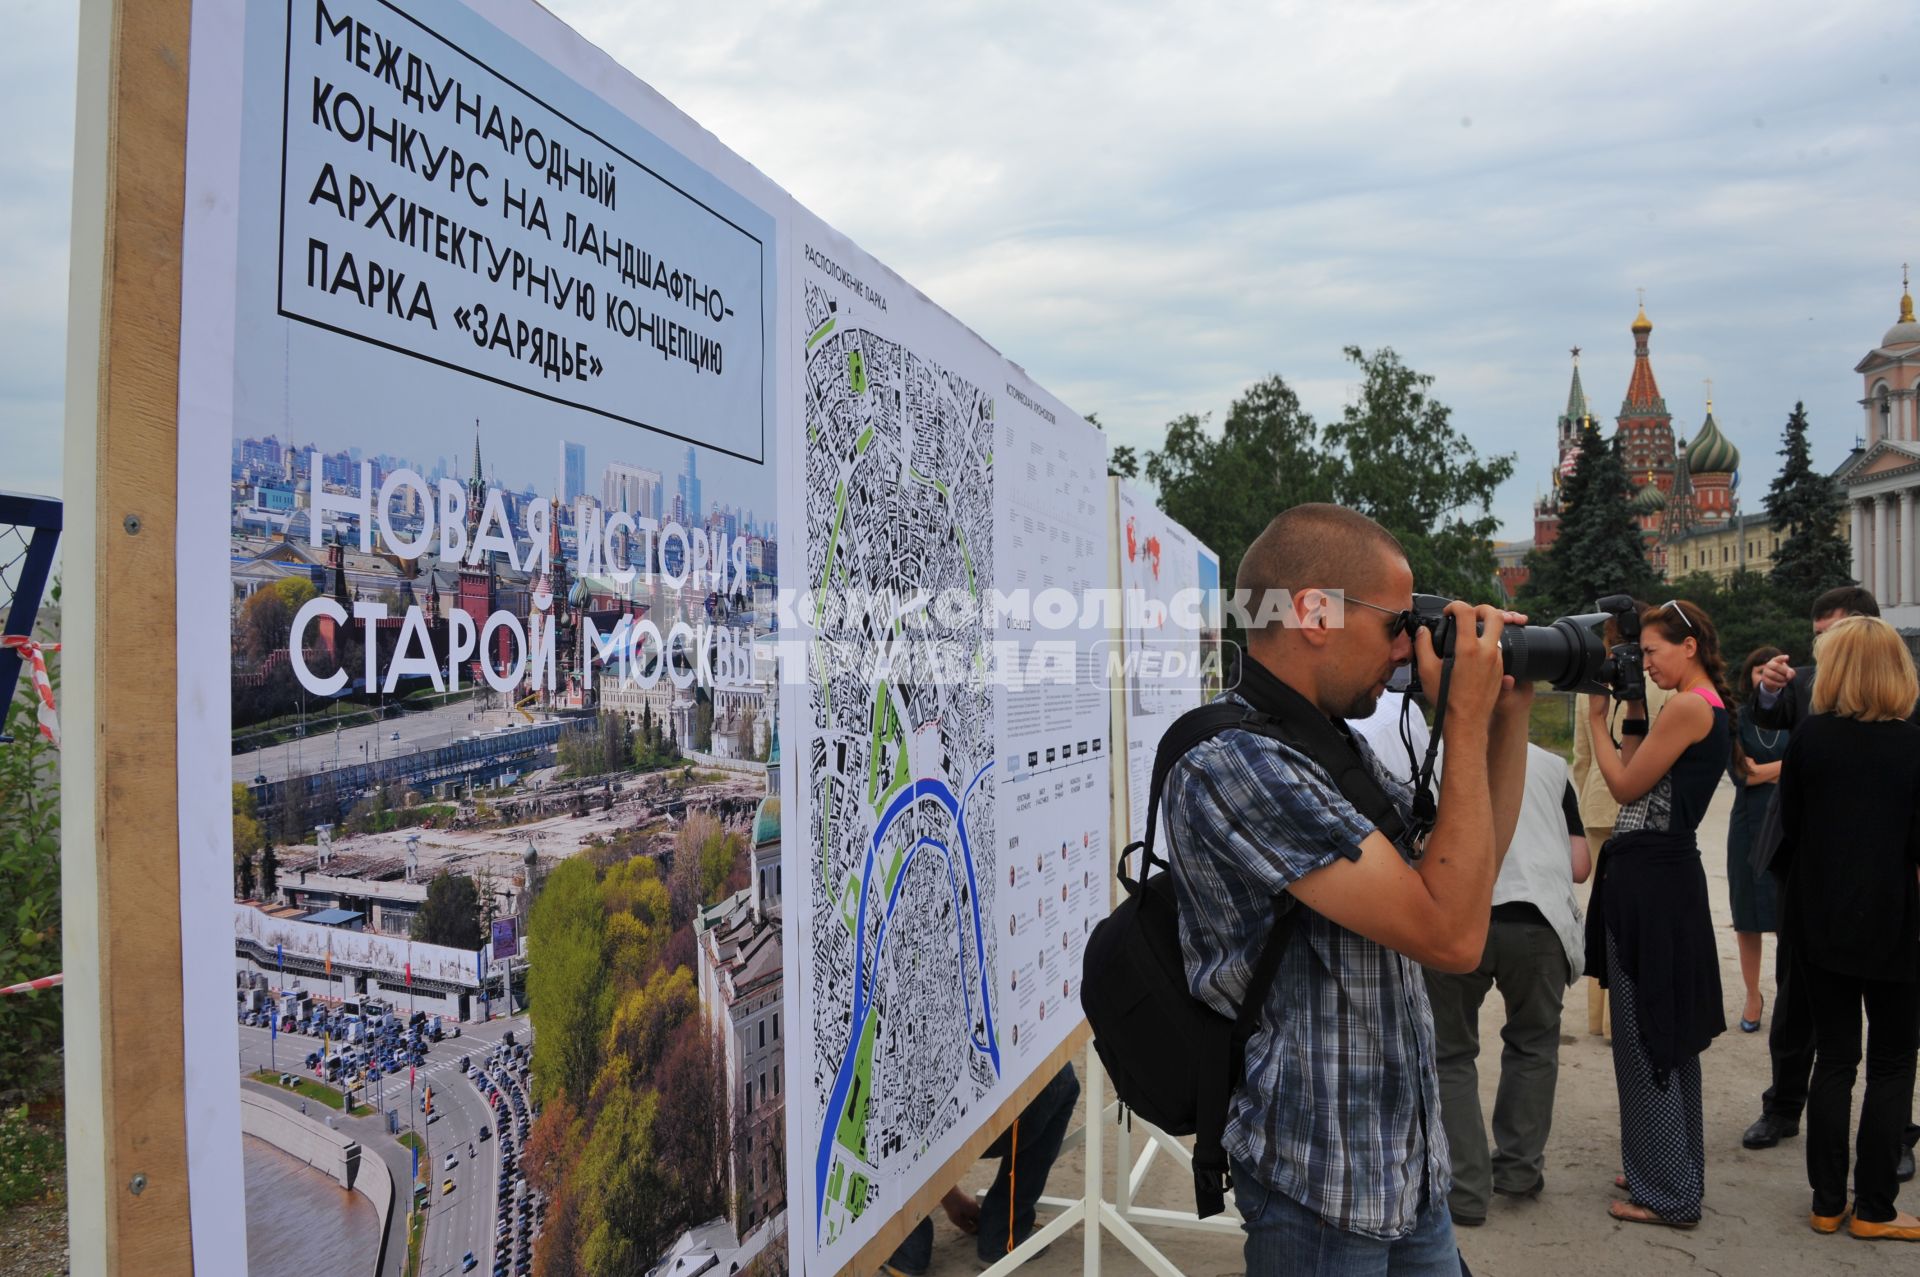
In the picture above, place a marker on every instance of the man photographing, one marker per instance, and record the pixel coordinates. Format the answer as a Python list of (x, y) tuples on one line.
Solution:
[(1339, 1157)]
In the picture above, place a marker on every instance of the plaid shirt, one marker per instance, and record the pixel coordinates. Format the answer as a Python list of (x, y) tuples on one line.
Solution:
[(1340, 1110)]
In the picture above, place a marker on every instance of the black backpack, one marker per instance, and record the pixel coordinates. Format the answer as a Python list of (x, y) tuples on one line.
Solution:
[(1173, 1059)]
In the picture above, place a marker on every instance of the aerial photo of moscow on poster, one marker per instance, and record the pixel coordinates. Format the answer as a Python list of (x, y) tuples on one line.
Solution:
[(505, 743)]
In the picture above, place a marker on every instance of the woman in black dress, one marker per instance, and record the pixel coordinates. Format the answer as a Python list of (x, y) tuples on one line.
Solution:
[(1649, 929), (1850, 851), (1754, 769)]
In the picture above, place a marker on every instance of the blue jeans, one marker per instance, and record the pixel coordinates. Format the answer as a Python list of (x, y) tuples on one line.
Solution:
[(1285, 1239), (1043, 1127)]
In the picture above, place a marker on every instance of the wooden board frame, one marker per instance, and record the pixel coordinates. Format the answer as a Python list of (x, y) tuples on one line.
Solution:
[(126, 1128)]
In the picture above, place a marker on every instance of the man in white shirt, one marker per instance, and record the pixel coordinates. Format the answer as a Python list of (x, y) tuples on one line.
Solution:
[(1381, 731), (1535, 949)]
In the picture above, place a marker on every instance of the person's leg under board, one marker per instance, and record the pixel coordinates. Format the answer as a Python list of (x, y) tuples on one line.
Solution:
[(1026, 1152), (914, 1255)]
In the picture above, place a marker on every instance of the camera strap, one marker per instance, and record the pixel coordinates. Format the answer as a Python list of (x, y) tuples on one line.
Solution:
[(1426, 806)]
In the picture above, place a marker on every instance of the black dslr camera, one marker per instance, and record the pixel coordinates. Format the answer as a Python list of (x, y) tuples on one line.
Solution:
[(1568, 654), (1623, 672)]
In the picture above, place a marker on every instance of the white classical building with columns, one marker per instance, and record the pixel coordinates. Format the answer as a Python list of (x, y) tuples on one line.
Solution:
[(1883, 480)]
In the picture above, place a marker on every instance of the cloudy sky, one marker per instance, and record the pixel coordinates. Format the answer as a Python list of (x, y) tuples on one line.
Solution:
[(1150, 205)]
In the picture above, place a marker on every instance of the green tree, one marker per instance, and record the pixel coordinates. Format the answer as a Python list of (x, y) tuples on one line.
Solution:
[(246, 825), (692, 1130), (269, 872), (702, 719), (1599, 550), (1225, 488), (703, 856), (652, 749), (567, 989), (451, 915), (593, 747), (745, 725), (1806, 505), (644, 1021), (1748, 612), (1121, 460), (1404, 465), (30, 1024), (624, 1186), (639, 918), (266, 618), (1394, 455), (247, 838)]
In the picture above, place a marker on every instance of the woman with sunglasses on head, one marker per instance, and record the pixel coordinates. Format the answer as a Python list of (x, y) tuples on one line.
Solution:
[(1850, 852), (1649, 931), (1598, 807)]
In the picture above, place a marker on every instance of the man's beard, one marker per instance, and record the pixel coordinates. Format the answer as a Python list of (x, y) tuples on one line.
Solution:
[(1363, 704)]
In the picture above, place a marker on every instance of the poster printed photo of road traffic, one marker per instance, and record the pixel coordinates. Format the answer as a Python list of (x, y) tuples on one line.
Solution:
[(493, 369)]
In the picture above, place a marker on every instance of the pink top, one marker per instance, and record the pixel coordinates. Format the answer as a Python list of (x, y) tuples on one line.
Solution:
[(1711, 697)]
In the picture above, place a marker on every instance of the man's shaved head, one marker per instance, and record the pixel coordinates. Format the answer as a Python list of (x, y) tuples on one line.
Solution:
[(1318, 546)]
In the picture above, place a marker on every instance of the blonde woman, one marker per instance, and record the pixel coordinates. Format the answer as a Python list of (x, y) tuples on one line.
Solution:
[(1850, 847)]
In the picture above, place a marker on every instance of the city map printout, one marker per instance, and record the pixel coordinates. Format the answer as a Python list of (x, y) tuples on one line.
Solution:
[(933, 944)]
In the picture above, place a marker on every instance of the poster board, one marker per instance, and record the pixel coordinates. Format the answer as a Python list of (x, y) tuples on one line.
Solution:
[(956, 803), (259, 197), (1169, 582)]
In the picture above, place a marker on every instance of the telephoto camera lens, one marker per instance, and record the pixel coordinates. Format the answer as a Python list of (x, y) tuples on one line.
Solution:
[(1568, 654)]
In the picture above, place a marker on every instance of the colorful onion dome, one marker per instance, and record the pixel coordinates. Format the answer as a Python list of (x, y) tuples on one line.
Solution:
[(1712, 452), (1649, 499), (766, 822)]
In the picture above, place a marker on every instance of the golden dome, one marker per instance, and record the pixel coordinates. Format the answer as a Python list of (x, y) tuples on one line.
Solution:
[(1641, 324), (1905, 331)]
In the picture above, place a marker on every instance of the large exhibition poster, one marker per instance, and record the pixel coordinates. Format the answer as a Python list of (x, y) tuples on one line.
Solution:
[(953, 798), (480, 419), (1169, 585)]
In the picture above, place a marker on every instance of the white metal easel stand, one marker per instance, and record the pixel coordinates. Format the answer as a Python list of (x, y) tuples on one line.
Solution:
[(1120, 1216)]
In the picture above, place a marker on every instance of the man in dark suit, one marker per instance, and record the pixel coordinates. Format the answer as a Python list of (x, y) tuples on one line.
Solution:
[(1784, 700)]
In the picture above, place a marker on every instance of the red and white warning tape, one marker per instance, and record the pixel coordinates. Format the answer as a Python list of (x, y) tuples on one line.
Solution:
[(34, 986), (33, 655)]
